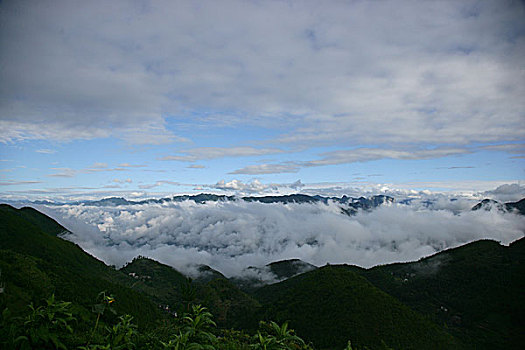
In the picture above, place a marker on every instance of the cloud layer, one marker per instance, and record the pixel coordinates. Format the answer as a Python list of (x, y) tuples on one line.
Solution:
[(229, 236), (393, 72)]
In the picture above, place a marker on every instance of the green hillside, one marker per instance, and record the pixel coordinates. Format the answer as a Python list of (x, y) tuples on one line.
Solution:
[(332, 304), (35, 264), (42, 221), (166, 286), (476, 290)]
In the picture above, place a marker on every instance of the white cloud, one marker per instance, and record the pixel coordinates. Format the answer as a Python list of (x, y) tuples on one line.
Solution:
[(255, 186), (230, 236), (507, 193)]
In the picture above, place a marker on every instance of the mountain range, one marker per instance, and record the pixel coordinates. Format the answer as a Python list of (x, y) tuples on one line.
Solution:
[(470, 297)]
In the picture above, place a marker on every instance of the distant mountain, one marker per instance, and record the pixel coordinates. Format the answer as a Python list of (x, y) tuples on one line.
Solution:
[(518, 206), (256, 277), (292, 198), (288, 268), (207, 274), (489, 204), (350, 205)]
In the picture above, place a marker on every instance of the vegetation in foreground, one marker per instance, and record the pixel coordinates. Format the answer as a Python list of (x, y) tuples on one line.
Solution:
[(55, 325)]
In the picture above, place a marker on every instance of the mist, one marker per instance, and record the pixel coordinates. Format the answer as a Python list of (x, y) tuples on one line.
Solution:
[(232, 235)]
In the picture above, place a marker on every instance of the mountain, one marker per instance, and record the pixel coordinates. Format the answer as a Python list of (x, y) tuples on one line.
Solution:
[(35, 263), (518, 206), (288, 268), (42, 221), (489, 204), (171, 289), (292, 198), (160, 282), (349, 203), (256, 277), (332, 304), (476, 290), (207, 274)]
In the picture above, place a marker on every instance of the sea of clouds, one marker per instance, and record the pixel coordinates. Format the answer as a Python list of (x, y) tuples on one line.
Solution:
[(232, 235)]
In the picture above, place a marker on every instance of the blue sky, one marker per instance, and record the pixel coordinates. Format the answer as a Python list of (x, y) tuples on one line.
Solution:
[(143, 98)]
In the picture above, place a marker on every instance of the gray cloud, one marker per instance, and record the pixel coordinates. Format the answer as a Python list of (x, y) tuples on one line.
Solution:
[(14, 183), (348, 72), (230, 236), (94, 168), (160, 183), (351, 156), (119, 181), (46, 151), (288, 167), (127, 165)]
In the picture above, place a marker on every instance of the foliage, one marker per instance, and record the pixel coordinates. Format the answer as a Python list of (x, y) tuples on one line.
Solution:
[(45, 325)]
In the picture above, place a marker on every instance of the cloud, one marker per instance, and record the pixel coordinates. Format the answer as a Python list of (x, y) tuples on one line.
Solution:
[(63, 172), (288, 167), (507, 193), (232, 235), (196, 166), (240, 188), (368, 154), (254, 186), (512, 148), (94, 168), (396, 73), (127, 165), (119, 181), (351, 156), (201, 153), (46, 151), (14, 183), (160, 183)]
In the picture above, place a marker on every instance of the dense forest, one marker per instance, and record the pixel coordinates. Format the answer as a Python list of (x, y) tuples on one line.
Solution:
[(55, 295)]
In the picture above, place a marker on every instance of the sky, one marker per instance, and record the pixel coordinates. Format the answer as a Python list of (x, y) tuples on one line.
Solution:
[(153, 98)]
